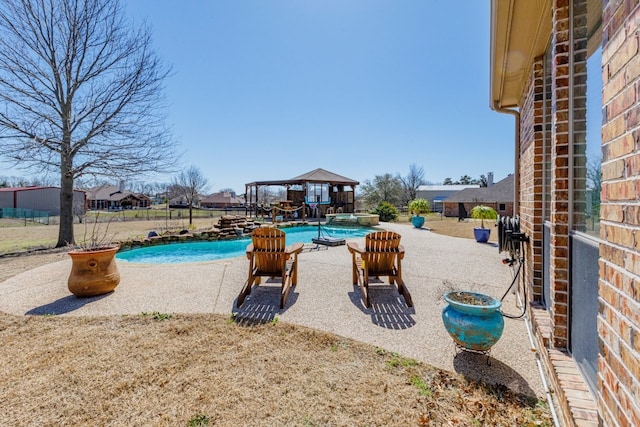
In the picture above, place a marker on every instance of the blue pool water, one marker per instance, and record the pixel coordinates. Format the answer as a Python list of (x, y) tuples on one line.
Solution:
[(222, 249)]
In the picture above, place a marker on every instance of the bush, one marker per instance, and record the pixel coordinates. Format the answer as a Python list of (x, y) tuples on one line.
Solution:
[(386, 211), (482, 212), (419, 206)]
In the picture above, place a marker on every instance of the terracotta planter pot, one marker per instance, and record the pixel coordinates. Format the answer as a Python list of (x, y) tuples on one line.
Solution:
[(93, 272)]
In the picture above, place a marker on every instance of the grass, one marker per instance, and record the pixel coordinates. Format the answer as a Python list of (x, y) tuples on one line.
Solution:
[(32, 237), (16, 237), (197, 370)]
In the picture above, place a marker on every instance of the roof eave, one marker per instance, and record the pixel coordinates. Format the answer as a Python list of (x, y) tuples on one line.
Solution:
[(520, 32)]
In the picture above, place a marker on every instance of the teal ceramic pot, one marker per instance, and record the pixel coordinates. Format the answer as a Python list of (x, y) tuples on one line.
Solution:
[(482, 234), (473, 320), (417, 221)]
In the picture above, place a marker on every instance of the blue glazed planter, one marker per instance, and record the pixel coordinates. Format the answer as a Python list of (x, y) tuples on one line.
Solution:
[(417, 221), (473, 320), (482, 234)]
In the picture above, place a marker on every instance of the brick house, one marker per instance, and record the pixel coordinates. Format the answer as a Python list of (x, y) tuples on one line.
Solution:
[(568, 71), (221, 200), (498, 196), (109, 197), (437, 194)]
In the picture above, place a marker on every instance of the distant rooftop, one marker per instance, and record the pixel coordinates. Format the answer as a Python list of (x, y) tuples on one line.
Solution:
[(501, 191), (29, 187), (455, 187)]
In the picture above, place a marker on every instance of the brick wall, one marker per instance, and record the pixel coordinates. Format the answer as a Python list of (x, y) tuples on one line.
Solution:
[(619, 294), (559, 250), (450, 209), (531, 176)]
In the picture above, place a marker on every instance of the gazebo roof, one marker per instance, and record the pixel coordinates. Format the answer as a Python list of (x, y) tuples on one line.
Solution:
[(316, 175)]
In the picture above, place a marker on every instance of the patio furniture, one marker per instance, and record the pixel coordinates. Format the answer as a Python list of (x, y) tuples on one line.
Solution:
[(381, 256), (269, 257)]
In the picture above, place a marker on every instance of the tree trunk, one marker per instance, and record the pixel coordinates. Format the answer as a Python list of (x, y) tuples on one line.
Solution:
[(190, 213), (65, 233)]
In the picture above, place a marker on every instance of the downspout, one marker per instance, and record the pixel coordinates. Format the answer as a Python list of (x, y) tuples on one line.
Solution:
[(516, 180)]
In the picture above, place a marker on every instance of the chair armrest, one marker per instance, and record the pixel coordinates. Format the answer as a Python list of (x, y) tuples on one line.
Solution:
[(249, 250), (400, 251), (354, 247), (296, 248)]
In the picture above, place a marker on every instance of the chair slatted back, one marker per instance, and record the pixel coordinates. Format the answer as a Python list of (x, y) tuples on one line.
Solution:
[(269, 250), (381, 250)]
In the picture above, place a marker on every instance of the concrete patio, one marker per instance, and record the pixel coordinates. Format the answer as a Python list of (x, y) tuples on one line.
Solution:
[(324, 299)]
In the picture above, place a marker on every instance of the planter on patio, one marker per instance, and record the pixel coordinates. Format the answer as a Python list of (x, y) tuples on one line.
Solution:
[(483, 213), (417, 207), (93, 271), (473, 320), (482, 234), (417, 221)]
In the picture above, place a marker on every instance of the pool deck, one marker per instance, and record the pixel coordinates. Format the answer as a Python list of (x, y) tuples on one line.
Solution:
[(324, 299)]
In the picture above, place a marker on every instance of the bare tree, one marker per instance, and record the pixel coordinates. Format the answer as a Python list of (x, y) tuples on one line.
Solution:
[(17, 181), (190, 184), (143, 187), (594, 187), (80, 92), (411, 182), (266, 194), (13, 181), (384, 188)]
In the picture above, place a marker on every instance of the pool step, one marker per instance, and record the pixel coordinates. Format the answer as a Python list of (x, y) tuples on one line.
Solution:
[(337, 220)]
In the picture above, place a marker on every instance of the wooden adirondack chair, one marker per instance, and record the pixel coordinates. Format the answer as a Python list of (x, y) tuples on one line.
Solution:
[(268, 257), (381, 256)]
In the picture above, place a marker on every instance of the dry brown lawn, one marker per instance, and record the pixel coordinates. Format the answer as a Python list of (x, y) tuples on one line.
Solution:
[(189, 370)]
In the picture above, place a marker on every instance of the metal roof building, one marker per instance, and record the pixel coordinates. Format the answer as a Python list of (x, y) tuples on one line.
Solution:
[(43, 199)]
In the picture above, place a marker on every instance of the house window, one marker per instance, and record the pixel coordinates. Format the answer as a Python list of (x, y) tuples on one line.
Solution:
[(502, 207), (318, 193), (587, 122)]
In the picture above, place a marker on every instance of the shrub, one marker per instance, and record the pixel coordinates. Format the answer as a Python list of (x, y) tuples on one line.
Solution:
[(482, 212), (418, 206), (386, 211)]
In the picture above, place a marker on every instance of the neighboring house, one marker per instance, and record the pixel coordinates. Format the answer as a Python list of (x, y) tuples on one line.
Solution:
[(113, 197), (180, 202), (43, 199), (157, 200), (499, 196), (553, 64), (221, 200), (436, 194)]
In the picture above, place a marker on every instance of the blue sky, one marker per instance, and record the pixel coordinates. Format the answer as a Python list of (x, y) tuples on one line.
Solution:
[(266, 90)]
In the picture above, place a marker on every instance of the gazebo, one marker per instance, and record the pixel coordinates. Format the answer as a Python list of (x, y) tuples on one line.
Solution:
[(332, 192)]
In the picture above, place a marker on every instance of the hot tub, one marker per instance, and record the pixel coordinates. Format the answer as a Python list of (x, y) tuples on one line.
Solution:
[(363, 219)]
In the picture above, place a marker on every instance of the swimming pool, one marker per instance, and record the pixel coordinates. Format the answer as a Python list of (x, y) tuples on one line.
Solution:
[(221, 249)]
